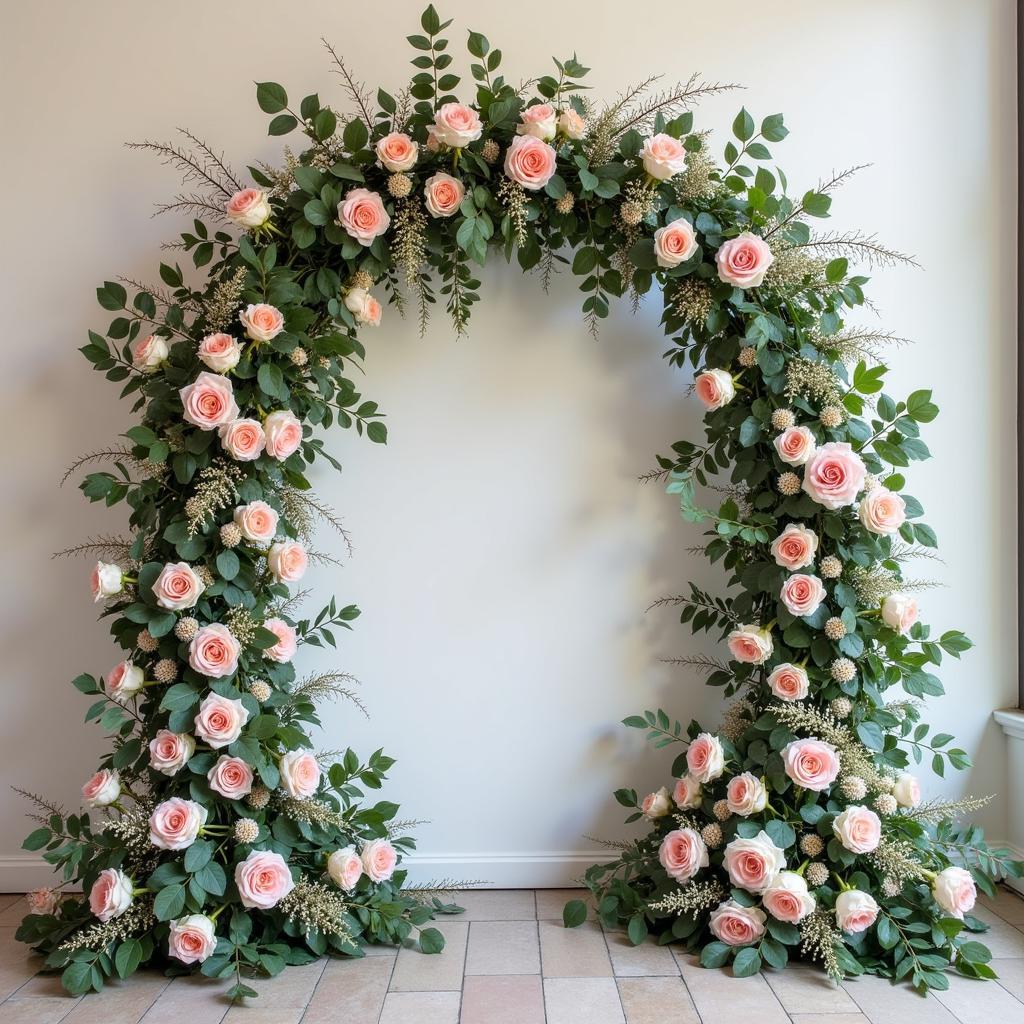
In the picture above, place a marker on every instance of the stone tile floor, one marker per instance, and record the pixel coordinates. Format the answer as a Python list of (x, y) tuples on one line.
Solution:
[(509, 961)]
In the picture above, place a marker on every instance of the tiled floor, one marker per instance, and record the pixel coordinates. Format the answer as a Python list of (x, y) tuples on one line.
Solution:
[(509, 961)]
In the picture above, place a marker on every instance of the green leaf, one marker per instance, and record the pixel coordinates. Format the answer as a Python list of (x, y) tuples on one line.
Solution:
[(228, 564), (169, 902), (714, 954), (637, 929), (128, 957), (271, 381), (271, 97), (574, 913), (743, 125), (282, 125), (747, 962), (431, 941), (37, 839), (355, 135)]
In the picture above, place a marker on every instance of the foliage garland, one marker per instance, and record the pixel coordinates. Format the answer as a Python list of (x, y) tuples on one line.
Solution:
[(215, 478)]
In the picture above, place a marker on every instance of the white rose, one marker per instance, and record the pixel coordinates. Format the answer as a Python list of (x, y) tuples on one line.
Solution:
[(123, 681), (363, 306), (899, 611), (345, 868), (746, 795), (540, 121), (858, 828), (855, 911), (571, 125), (248, 208), (656, 805), (102, 789), (907, 790), (687, 794), (149, 352), (107, 581), (954, 890), (788, 898)]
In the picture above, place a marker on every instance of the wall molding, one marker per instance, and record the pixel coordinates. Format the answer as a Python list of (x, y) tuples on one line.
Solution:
[(533, 869)]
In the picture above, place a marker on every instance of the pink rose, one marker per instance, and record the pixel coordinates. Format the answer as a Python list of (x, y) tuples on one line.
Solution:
[(106, 580), (788, 898), (214, 651), (263, 879), (43, 901), (287, 643), (750, 644), (243, 439), (687, 793), (795, 547), (177, 587), (811, 763), (219, 720), (795, 445), (715, 388), (248, 208), (175, 823), (530, 162), (287, 560), (148, 353), (856, 911), (397, 152), (899, 612), (882, 511), (571, 124), (663, 156), (744, 260), (364, 307), (442, 194), (682, 854), (102, 789), (746, 795), (705, 758), (209, 402), (363, 216), (284, 434), (220, 352), (169, 752), (300, 773), (834, 475), (261, 321), (788, 682), (675, 243), (954, 890), (736, 925), (540, 121), (123, 681), (257, 522), (345, 868), (192, 938), (231, 777), (802, 594), (858, 828), (456, 125), (379, 860), (753, 864), (656, 805), (111, 894)]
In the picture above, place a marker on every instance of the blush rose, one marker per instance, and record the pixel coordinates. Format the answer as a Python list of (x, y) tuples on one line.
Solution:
[(656, 805), (802, 594), (858, 828), (148, 353), (753, 863), (788, 898), (111, 894), (345, 868), (248, 208), (230, 777), (744, 260), (682, 854), (220, 720), (284, 433), (209, 401), (169, 752), (363, 216), (262, 322), (192, 939), (687, 793), (214, 651), (123, 681), (530, 162), (795, 547), (663, 156), (456, 125), (364, 307), (795, 445), (300, 773), (788, 682), (175, 823), (705, 758), (856, 911), (287, 642), (287, 560), (397, 152), (674, 243), (746, 795), (379, 859), (834, 475), (954, 890), (736, 925), (750, 644), (540, 121), (102, 789), (811, 763), (442, 194), (106, 580), (256, 521), (177, 587), (715, 389), (263, 879), (220, 352), (243, 439), (899, 611)]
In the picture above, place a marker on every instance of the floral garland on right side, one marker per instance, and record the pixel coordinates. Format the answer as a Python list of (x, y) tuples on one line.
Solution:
[(796, 829)]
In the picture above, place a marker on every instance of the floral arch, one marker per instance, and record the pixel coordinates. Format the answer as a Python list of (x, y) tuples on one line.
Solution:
[(223, 842)]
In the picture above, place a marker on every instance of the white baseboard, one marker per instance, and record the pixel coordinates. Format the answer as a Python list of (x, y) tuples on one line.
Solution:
[(1018, 854), (514, 870)]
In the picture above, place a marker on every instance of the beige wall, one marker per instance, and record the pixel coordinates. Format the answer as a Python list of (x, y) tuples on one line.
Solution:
[(504, 553)]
